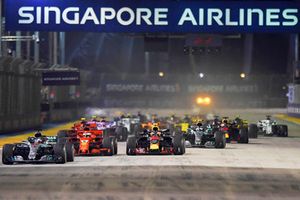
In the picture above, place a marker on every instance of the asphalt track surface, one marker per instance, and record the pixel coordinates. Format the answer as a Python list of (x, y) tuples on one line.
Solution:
[(266, 168)]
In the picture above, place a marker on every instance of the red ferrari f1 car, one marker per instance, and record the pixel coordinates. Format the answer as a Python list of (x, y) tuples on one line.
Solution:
[(89, 140)]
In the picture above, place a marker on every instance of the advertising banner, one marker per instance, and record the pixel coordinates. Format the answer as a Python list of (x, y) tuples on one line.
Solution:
[(61, 78), (150, 16)]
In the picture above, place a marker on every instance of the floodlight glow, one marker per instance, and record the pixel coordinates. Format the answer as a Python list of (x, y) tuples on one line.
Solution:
[(203, 101), (243, 75)]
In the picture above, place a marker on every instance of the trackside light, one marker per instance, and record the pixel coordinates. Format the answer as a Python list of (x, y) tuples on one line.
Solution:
[(161, 74), (207, 100), (243, 75), (203, 101)]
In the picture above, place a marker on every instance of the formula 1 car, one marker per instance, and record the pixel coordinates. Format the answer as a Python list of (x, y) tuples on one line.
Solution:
[(269, 127), (126, 126), (92, 140), (205, 136), (38, 149), (235, 130), (112, 129), (118, 128), (155, 142)]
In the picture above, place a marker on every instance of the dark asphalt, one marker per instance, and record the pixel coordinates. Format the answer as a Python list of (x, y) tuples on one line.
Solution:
[(148, 183)]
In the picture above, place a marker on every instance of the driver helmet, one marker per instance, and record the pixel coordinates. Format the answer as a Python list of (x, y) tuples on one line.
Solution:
[(224, 121), (155, 129), (38, 134), (237, 118), (82, 120), (94, 118)]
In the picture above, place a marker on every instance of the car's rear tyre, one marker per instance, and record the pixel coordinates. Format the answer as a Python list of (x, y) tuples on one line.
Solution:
[(125, 134), (7, 154), (131, 145), (253, 131), (179, 144), (274, 129), (282, 130), (108, 142), (132, 129), (62, 136), (60, 153), (109, 132), (119, 133), (244, 137), (70, 151), (220, 140), (137, 129), (115, 146)]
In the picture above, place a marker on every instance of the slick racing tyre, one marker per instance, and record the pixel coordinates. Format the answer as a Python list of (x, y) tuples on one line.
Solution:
[(137, 129), (109, 132), (274, 129), (125, 134), (253, 131), (179, 144), (115, 145), (7, 154), (282, 130), (244, 137), (133, 129), (62, 136), (60, 153), (70, 151), (131, 145), (220, 140), (121, 133), (108, 142)]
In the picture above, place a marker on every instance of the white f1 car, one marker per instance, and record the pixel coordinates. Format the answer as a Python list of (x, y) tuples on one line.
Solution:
[(269, 127), (38, 149)]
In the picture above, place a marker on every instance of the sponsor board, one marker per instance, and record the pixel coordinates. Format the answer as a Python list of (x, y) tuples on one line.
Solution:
[(175, 88), (61, 78), (152, 16)]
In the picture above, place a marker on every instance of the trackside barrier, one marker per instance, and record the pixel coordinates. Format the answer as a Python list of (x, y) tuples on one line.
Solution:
[(19, 94)]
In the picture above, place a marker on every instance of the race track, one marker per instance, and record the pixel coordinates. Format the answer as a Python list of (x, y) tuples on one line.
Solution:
[(266, 168)]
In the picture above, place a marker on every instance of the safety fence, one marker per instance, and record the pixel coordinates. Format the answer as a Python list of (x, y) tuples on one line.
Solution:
[(19, 94)]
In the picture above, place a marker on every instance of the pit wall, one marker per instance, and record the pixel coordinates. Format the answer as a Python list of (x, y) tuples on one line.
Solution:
[(22, 96)]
